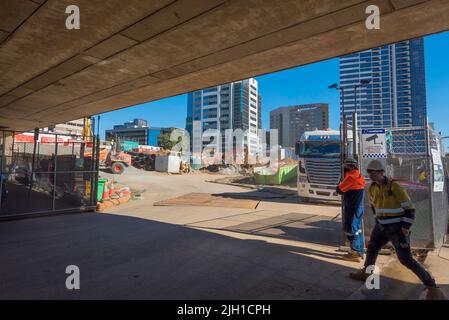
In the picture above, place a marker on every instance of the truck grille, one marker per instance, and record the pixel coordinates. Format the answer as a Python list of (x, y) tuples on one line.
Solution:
[(323, 171)]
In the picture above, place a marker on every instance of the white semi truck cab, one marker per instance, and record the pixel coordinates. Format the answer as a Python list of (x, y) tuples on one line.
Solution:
[(319, 167)]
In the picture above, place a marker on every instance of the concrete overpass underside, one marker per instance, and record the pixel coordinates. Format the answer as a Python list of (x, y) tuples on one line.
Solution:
[(134, 51)]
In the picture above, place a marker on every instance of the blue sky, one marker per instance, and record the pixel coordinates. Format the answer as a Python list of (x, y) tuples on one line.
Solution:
[(301, 85)]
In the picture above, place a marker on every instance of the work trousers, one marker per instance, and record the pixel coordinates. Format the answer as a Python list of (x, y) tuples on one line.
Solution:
[(353, 228), (381, 235)]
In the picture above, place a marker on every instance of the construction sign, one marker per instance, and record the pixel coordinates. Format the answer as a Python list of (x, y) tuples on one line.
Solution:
[(438, 170), (374, 143)]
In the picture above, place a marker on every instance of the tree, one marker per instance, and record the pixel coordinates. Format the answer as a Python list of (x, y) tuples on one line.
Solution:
[(165, 142)]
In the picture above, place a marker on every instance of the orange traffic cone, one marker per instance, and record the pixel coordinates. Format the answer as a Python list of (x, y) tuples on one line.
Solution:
[(111, 188), (106, 191)]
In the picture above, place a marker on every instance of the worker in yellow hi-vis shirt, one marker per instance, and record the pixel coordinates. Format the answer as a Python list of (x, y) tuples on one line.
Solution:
[(394, 214)]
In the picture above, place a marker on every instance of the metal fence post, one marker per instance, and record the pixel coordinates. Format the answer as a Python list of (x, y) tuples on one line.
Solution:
[(36, 137), (93, 187), (97, 164), (2, 162), (13, 146), (72, 167), (344, 142), (54, 172), (354, 137), (38, 152), (431, 175), (345, 137)]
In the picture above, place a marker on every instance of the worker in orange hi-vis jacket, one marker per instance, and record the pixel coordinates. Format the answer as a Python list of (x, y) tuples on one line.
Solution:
[(352, 188)]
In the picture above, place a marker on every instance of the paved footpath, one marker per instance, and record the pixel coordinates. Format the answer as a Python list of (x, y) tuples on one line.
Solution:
[(280, 250)]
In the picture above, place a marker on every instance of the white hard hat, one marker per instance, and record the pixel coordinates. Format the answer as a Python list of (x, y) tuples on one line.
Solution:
[(376, 165)]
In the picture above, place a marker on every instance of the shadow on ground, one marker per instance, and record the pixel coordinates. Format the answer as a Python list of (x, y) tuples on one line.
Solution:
[(270, 194), (129, 258), (308, 228)]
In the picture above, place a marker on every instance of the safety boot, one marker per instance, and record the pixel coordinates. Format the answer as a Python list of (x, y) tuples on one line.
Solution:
[(359, 275), (352, 256)]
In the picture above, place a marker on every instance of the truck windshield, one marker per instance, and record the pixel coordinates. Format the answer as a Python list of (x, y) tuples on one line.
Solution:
[(319, 149)]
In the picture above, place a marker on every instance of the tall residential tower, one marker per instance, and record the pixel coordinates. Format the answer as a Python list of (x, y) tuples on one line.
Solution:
[(235, 105), (396, 94)]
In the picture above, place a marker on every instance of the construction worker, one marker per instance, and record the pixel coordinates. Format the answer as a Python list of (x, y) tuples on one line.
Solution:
[(422, 177), (352, 188), (394, 213)]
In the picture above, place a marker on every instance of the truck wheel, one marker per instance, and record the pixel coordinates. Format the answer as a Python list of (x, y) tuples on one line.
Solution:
[(304, 199), (117, 168)]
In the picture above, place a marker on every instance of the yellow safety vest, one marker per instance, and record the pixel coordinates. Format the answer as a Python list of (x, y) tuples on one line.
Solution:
[(422, 177), (390, 200)]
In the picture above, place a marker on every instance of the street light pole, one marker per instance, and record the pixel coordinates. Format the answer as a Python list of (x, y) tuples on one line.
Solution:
[(363, 83), (355, 122), (343, 126), (343, 133), (442, 145), (356, 116), (355, 101)]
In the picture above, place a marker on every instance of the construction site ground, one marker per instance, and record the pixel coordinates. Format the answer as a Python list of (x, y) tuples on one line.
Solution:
[(279, 249)]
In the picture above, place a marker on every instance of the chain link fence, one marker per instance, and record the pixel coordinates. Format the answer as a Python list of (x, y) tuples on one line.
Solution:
[(54, 173)]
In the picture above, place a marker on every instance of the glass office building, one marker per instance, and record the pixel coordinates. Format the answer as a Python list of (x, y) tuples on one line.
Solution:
[(292, 121)]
